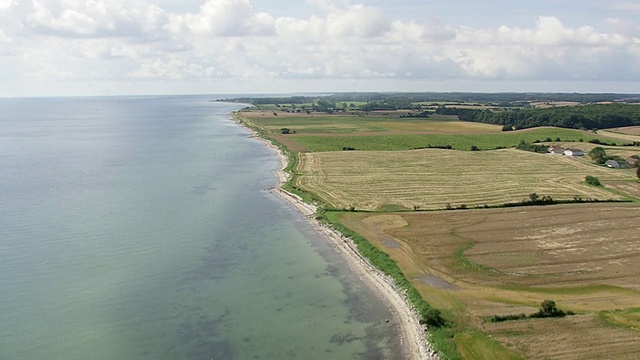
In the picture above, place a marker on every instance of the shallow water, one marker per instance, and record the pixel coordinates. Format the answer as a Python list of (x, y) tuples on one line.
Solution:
[(141, 228)]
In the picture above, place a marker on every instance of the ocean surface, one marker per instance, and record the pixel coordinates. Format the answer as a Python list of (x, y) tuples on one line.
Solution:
[(144, 228)]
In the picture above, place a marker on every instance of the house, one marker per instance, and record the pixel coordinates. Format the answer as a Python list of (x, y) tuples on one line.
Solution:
[(555, 149), (632, 161), (617, 164), (574, 152), (612, 164)]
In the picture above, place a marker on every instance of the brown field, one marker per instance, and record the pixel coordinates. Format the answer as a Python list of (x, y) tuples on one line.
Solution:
[(478, 263), (582, 337), (433, 178), (630, 130), (356, 123), (625, 187), (618, 134)]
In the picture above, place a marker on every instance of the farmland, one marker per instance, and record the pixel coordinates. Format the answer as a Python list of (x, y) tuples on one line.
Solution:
[(440, 214), (631, 130), (458, 141), (435, 178), (358, 123), (387, 131), (485, 262)]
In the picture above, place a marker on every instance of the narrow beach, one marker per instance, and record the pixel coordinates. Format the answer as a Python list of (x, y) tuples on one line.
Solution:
[(413, 336)]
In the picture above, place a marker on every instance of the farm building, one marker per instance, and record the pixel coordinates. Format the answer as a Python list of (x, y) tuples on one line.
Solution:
[(614, 164), (574, 152), (556, 149), (632, 161)]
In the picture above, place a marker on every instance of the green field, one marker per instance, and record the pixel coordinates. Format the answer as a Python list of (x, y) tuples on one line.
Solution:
[(458, 142)]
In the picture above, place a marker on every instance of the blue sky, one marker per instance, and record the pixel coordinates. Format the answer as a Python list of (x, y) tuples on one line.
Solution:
[(109, 47)]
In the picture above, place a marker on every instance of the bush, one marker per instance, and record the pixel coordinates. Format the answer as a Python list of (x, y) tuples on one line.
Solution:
[(433, 318), (501, 318), (592, 180)]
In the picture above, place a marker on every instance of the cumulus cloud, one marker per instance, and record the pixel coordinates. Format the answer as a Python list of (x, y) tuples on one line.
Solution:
[(549, 31), (336, 23), (95, 18), (223, 18), (335, 40)]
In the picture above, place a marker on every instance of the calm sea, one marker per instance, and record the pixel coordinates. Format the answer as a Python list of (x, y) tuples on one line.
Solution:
[(142, 228)]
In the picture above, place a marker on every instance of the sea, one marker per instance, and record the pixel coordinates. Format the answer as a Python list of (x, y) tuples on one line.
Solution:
[(147, 228)]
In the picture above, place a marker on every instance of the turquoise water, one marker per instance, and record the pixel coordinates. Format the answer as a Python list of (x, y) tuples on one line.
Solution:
[(143, 228)]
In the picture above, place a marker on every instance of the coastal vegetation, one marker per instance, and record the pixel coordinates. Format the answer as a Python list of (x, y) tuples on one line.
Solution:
[(493, 258)]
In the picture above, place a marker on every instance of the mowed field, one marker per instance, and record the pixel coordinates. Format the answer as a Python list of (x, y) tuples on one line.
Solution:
[(628, 130), (485, 262), (358, 123), (434, 178), (387, 131)]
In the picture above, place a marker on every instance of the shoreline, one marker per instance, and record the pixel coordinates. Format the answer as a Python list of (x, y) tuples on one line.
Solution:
[(413, 335)]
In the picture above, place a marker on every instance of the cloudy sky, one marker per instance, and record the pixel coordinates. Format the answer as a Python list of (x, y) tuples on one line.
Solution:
[(105, 47)]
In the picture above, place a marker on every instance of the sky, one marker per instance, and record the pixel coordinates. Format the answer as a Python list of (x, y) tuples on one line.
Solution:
[(123, 47)]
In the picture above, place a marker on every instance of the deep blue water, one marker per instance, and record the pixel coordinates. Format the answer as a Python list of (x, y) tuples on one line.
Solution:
[(142, 228)]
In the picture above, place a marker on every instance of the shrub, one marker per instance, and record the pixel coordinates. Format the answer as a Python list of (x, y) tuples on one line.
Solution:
[(592, 180), (433, 318)]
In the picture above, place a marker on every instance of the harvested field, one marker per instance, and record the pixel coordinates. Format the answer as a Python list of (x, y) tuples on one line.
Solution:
[(424, 179), (359, 123), (485, 262), (626, 187), (631, 130), (631, 133), (575, 337)]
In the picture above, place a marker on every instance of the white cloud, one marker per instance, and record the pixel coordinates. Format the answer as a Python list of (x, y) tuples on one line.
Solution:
[(357, 21), (334, 42), (549, 31), (5, 4), (223, 18), (96, 18)]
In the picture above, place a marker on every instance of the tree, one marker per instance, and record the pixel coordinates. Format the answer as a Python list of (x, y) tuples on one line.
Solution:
[(534, 197), (548, 309), (598, 155)]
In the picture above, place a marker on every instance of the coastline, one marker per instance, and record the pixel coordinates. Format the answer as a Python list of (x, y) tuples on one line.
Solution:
[(413, 334)]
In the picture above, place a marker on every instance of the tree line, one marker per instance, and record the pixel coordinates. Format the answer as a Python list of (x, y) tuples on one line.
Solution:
[(597, 116)]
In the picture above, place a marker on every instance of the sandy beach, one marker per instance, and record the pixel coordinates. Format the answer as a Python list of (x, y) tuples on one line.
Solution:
[(414, 339)]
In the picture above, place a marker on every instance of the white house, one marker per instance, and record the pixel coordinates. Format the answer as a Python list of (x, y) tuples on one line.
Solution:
[(574, 152)]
